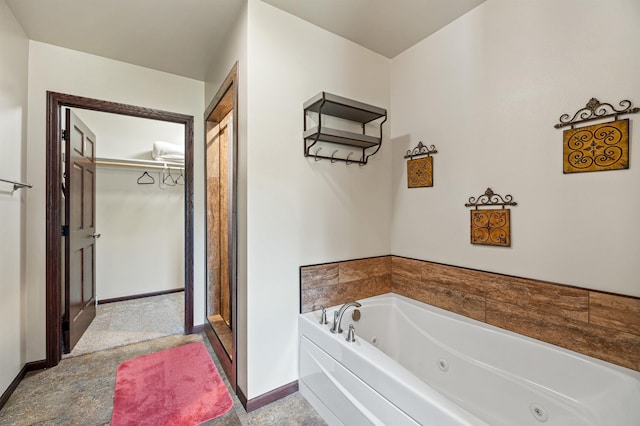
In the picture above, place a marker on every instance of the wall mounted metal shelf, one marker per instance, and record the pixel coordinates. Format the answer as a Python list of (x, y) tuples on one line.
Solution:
[(326, 104), (341, 137)]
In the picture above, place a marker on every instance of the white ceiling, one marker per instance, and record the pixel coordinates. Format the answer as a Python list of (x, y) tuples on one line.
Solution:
[(387, 27), (177, 36), (182, 36)]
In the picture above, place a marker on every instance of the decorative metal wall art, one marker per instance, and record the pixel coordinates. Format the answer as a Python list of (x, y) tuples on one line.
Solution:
[(491, 227), (420, 170), (596, 147)]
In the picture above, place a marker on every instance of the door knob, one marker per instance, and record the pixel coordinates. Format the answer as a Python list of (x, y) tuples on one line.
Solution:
[(95, 236)]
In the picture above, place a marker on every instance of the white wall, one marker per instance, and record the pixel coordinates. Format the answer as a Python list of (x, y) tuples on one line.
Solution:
[(235, 49), (123, 136), (67, 71), (300, 211), (141, 248), (487, 90), (14, 57)]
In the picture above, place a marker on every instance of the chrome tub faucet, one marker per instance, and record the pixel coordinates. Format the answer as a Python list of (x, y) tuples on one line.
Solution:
[(337, 316)]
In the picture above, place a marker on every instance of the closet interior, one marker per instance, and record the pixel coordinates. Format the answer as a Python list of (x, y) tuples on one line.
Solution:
[(139, 207)]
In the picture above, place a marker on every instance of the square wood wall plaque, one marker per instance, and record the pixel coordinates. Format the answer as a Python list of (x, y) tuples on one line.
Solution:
[(598, 147), (420, 172), (491, 227)]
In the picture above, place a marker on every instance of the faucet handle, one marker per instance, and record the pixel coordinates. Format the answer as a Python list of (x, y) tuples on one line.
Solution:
[(334, 327), (323, 316), (351, 335)]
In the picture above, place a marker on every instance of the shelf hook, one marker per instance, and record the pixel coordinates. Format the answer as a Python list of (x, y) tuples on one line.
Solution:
[(316, 155), (349, 162), (333, 160)]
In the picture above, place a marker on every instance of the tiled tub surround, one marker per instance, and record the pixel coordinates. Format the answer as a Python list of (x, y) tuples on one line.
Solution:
[(336, 283), (602, 325)]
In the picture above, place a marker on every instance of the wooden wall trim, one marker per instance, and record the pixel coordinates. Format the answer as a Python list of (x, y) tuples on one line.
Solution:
[(36, 365), (30, 366), (188, 222), (266, 398), (227, 364), (242, 397), (53, 237), (140, 296), (12, 386)]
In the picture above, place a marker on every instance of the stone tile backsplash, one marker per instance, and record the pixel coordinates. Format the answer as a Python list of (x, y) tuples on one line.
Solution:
[(336, 283), (598, 324)]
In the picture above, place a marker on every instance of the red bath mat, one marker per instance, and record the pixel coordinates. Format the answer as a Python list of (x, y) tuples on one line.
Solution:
[(177, 386)]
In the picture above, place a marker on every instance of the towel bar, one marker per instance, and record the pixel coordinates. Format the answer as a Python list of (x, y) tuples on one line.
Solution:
[(17, 185)]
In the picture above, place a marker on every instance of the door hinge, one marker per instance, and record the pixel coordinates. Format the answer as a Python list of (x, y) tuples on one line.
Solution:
[(65, 230), (64, 135)]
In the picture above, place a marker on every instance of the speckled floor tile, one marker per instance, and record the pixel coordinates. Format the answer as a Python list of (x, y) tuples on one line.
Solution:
[(79, 391), (292, 410), (132, 321)]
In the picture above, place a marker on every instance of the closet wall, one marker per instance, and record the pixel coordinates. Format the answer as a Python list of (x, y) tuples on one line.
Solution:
[(141, 248)]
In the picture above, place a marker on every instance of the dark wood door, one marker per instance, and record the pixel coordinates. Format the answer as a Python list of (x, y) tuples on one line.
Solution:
[(80, 203)]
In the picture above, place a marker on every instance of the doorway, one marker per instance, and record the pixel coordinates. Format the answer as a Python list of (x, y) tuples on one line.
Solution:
[(221, 170), (139, 230), (55, 103)]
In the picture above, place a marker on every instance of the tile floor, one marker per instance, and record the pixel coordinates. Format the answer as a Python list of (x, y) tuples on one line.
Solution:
[(79, 391), (132, 321)]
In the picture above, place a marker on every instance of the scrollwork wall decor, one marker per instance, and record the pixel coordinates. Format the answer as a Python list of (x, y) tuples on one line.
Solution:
[(421, 150), (596, 147), (420, 170), (491, 227)]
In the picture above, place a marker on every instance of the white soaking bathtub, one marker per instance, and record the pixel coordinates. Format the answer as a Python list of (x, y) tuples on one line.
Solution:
[(414, 364)]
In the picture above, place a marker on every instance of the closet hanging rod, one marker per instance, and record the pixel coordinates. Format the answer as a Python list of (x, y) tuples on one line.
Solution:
[(145, 164), (17, 185)]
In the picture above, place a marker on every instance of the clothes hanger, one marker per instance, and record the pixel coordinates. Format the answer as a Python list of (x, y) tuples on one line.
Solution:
[(180, 179), (149, 180), (168, 179)]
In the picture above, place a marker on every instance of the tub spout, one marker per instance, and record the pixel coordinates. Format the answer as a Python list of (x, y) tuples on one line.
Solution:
[(337, 316)]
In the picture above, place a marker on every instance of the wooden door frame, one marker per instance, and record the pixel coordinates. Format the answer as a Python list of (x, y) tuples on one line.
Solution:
[(55, 103), (228, 365)]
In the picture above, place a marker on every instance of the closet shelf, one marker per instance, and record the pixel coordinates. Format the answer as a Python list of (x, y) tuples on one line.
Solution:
[(326, 104), (143, 164)]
